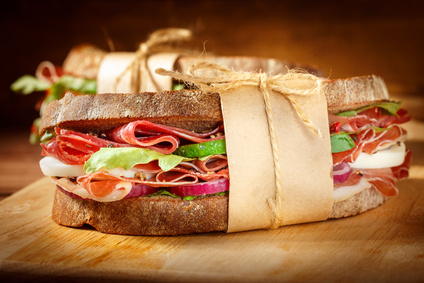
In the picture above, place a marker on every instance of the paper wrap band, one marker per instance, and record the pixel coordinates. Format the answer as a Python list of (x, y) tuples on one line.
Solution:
[(134, 72), (114, 64), (280, 174)]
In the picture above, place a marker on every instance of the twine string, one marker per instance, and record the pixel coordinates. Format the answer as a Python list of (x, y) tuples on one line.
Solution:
[(222, 79), (159, 41)]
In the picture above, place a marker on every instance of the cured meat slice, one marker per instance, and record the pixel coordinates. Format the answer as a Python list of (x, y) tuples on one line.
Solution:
[(384, 179), (163, 139), (370, 141), (75, 148), (373, 117)]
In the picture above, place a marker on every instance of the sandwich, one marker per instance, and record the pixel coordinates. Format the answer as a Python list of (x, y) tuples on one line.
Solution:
[(156, 163)]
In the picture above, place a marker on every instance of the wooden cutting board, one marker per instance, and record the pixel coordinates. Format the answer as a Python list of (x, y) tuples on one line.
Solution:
[(383, 245)]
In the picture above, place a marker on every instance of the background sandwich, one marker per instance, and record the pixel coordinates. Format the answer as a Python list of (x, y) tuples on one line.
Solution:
[(155, 163), (80, 74)]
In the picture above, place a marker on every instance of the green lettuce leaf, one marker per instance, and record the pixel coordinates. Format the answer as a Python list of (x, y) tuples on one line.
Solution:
[(128, 157), (390, 108), (78, 84), (167, 193), (28, 84)]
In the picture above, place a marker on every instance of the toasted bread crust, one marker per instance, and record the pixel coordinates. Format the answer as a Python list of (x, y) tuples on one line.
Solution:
[(167, 216), (359, 203), (352, 93), (83, 61), (187, 109), (193, 110), (150, 216)]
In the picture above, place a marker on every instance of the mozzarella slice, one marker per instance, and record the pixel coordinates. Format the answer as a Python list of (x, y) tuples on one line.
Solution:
[(52, 167), (346, 192), (389, 157)]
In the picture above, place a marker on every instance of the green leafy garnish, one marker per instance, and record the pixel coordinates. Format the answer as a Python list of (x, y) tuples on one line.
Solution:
[(167, 193), (28, 84), (389, 108), (341, 142), (78, 84), (46, 137), (128, 157), (178, 86)]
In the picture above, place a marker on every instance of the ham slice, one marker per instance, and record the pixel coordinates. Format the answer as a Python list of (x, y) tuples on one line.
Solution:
[(372, 117), (104, 187), (370, 141)]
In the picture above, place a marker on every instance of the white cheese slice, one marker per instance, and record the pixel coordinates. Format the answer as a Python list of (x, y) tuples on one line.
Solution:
[(389, 157), (346, 192), (52, 167)]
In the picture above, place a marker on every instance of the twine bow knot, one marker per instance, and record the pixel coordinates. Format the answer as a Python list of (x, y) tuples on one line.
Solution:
[(159, 41), (216, 78)]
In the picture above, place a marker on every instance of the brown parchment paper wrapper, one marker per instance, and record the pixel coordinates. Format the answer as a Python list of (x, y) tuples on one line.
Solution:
[(113, 75), (305, 160)]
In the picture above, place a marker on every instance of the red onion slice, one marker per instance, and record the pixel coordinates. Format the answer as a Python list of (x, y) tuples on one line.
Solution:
[(341, 172), (198, 189), (139, 190)]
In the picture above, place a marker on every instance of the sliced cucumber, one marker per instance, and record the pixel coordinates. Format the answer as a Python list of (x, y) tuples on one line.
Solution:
[(202, 149)]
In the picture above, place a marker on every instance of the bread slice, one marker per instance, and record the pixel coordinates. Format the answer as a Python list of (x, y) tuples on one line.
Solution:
[(367, 199), (83, 61), (159, 215), (187, 109), (165, 215), (352, 93)]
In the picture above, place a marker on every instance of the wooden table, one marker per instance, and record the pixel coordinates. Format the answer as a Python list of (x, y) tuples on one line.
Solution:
[(382, 245)]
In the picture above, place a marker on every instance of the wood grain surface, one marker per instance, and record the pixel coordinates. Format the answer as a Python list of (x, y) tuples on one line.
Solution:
[(382, 245)]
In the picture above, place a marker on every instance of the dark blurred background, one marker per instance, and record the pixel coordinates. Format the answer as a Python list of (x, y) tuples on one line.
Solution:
[(343, 38)]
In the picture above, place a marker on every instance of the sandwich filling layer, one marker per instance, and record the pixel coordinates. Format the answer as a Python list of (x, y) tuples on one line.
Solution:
[(144, 159), (137, 159), (368, 150)]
